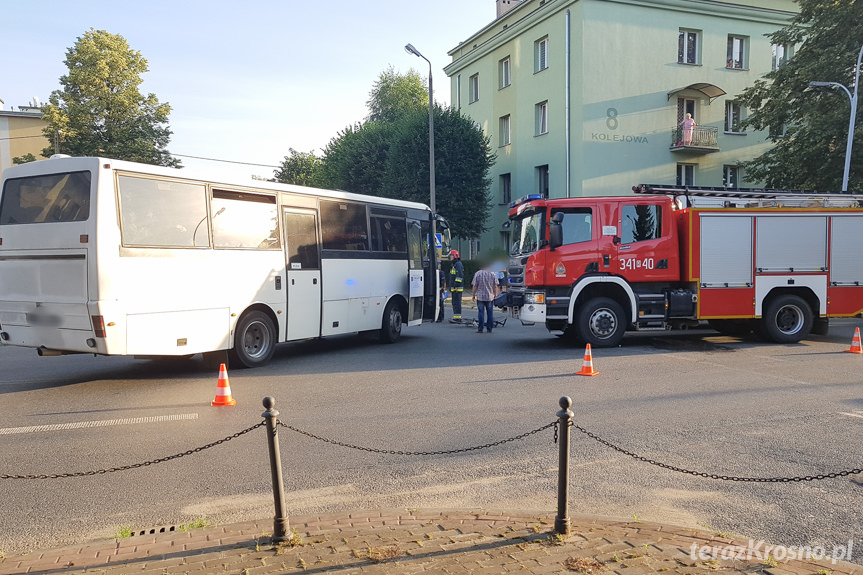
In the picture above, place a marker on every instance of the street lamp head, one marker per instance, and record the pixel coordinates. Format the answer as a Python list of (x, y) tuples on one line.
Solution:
[(409, 48), (821, 84)]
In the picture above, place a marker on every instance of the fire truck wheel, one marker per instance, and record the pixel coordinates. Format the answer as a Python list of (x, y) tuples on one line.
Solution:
[(254, 340), (787, 319), (601, 323)]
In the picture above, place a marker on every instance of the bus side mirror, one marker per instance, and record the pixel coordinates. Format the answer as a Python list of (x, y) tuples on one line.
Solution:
[(556, 231)]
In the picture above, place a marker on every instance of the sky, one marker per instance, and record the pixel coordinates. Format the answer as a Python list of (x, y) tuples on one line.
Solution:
[(246, 80)]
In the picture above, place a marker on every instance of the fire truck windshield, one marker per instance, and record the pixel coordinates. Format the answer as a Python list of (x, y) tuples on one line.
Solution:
[(526, 233)]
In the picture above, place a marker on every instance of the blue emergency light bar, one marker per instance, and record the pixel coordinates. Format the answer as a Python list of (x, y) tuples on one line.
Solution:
[(525, 199)]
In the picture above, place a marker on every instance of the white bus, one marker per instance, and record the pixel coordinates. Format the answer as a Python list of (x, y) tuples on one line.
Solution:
[(116, 258)]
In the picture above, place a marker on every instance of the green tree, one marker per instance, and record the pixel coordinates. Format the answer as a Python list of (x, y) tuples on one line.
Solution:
[(463, 157), (355, 160), (26, 158), (389, 156), (300, 168), (100, 110), (809, 127), (394, 94)]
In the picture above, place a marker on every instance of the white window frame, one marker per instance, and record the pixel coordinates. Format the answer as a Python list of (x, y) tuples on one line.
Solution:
[(737, 52), (541, 118), (543, 180), (733, 111), (505, 73), (473, 89), (731, 177), (505, 127), (683, 40), (685, 174), (781, 54), (541, 52)]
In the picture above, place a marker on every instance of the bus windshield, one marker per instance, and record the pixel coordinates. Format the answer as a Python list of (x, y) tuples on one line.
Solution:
[(526, 233)]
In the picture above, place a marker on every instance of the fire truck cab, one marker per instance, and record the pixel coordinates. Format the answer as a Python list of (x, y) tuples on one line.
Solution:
[(777, 263)]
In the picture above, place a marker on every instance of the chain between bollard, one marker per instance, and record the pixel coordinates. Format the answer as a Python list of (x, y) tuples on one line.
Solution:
[(419, 453), (135, 465), (714, 475)]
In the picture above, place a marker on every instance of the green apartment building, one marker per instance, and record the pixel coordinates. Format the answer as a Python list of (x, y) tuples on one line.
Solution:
[(589, 97)]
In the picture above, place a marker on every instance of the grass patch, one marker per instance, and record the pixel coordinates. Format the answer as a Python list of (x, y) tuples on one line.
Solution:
[(384, 553), (124, 532), (195, 524), (583, 565)]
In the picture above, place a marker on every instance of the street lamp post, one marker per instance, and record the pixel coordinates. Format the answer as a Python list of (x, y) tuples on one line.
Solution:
[(853, 120), (409, 48)]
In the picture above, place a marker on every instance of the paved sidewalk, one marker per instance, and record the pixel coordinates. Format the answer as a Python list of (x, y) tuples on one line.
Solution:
[(423, 541)]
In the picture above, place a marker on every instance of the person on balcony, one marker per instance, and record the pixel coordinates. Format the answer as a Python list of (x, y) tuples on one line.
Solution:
[(688, 127)]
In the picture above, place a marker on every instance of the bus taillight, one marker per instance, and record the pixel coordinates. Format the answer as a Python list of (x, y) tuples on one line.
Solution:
[(99, 325)]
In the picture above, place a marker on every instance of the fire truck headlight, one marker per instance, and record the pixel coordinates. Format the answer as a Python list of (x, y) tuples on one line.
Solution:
[(534, 297)]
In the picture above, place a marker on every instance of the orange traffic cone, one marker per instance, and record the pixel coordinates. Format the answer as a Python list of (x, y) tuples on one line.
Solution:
[(223, 391), (587, 366), (856, 347)]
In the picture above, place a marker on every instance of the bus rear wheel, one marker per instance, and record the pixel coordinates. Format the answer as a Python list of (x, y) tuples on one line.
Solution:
[(254, 340), (391, 323)]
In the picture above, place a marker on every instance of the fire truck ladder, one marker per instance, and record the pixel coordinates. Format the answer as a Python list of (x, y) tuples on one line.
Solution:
[(752, 197)]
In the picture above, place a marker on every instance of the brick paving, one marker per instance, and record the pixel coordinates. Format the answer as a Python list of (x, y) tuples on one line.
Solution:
[(404, 542)]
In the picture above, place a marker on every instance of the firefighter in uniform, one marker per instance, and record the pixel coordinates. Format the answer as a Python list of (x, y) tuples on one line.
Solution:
[(456, 283)]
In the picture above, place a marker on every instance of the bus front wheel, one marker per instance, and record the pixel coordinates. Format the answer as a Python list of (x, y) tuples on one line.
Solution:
[(254, 340), (391, 323)]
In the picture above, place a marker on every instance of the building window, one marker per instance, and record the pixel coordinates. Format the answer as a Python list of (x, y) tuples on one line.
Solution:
[(781, 54), (540, 48), (542, 180), (732, 118), (687, 46), (542, 118), (731, 177), (473, 87), (504, 73), (685, 175), (505, 188), (504, 131), (736, 55), (505, 240)]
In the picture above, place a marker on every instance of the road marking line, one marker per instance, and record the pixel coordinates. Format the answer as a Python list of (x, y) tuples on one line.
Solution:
[(103, 423), (855, 414)]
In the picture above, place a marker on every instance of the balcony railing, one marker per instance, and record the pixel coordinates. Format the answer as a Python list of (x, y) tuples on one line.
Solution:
[(696, 139)]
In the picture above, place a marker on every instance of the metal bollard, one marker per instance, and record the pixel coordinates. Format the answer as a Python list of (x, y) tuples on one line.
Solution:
[(561, 522), (281, 533)]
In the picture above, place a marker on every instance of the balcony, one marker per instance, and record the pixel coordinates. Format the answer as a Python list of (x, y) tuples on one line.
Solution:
[(697, 140)]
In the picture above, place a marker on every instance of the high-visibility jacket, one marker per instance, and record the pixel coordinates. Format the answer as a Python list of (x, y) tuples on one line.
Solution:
[(456, 276)]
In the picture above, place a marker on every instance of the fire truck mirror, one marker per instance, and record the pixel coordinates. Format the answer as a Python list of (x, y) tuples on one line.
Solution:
[(555, 232)]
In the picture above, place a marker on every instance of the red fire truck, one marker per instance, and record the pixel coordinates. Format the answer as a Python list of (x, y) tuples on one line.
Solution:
[(771, 262)]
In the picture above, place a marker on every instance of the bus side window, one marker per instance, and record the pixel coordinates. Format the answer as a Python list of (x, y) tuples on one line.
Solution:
[(344, 226), (160, 213)]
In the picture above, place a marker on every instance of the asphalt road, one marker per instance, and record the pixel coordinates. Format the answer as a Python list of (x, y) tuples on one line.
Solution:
[(695, 400)]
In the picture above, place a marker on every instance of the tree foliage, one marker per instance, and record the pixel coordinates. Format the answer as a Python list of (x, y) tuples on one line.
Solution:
[(463, 157), (809, 127), (26, 158), (355, 160), (394, 94), (300, 168), (100, 110)]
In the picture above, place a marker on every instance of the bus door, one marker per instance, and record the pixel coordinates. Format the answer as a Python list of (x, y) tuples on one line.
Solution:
[(303, 271)]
